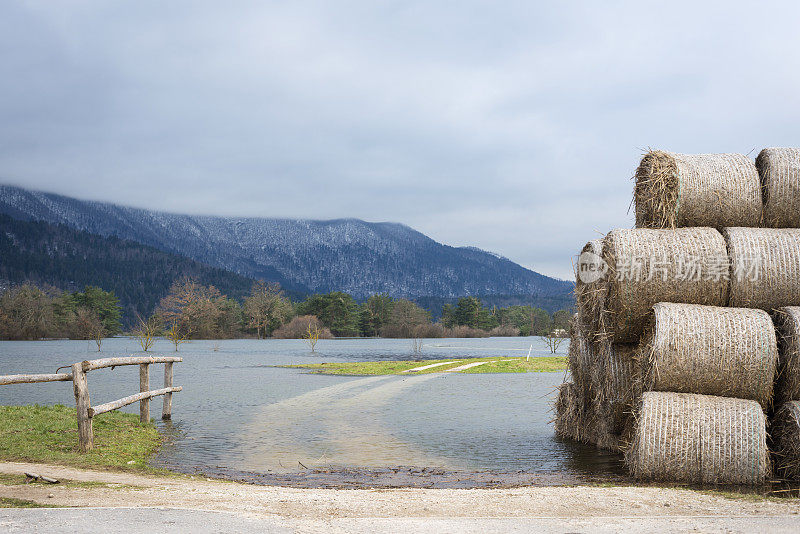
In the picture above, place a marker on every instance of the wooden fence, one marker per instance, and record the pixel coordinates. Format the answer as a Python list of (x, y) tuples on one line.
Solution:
[(80, 387)]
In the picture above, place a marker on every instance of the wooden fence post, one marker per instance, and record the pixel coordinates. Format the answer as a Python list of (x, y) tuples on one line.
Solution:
[(166, 413), (81, 389), (144, 385)]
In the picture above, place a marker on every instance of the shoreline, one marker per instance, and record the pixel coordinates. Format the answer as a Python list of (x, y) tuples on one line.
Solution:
[(402, 477), (93, 488)]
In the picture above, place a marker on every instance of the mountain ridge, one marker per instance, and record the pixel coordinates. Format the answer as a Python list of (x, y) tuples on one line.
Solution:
[(345, 254)]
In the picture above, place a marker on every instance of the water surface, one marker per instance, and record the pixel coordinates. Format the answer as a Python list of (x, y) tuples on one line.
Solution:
[(241, 417)]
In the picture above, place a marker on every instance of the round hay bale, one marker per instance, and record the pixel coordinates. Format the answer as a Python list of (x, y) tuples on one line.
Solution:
[(779, 169), (785, 430), (677, 190), (728, 352), (787, 386), (620, 384), (584, 363), (649, 266), (683, 437), (604, 436), (765, 267), (578, 358), (590, 286), (570, 421), (566, 408)]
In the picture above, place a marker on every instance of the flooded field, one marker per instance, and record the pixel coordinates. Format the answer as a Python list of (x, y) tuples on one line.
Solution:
[(239, 416)]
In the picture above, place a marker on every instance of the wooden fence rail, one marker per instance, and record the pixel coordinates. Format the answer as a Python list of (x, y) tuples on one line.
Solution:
[(138, 397), (80, 387), (30, 379)]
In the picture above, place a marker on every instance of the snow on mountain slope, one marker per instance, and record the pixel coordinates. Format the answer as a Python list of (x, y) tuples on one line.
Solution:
[(349, 255)]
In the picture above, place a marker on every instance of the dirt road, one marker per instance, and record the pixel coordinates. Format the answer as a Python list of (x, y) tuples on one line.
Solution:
[(416, 510)]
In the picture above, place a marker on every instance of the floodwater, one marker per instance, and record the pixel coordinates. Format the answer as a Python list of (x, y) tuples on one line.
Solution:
[(240, 417)]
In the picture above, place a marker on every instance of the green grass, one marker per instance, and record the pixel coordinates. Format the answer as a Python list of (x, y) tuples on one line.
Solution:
[(497, 365), (49, 434), (10, 502)]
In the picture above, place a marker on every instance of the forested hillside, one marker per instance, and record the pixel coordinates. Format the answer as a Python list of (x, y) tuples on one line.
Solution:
[(350, 255), (68, 259)]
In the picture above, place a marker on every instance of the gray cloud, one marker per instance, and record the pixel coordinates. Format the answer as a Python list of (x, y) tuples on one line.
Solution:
[(510, 126)]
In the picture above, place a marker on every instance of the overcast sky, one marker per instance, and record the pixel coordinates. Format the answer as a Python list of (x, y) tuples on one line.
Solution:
[(511, 126)]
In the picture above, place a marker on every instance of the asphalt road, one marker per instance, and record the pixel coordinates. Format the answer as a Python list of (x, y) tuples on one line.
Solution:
[(172, 520)]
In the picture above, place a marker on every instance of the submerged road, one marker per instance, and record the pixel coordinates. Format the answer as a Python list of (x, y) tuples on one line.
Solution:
[(344, 423)]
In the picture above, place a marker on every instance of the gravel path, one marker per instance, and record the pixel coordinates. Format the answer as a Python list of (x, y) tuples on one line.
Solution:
[(580, 508)]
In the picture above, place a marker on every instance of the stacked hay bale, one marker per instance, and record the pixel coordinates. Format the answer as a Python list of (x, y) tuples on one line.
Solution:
[(590, 293), (675, 354), (779, 169), (683, 437), (573, 421), (644, 268), (766, 267), (786, 421), (716, 190), (786, 440), (616, 394), (727, 352), (708, 374)]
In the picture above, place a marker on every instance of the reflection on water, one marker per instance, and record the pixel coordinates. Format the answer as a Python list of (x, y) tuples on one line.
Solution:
[(238, 415)]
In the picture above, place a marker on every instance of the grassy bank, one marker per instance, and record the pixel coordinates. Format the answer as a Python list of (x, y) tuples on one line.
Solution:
[(49, 434), (487, 365), (10, 502)]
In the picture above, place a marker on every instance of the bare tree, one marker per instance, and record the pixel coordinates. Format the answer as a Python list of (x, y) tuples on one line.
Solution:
[(98, 338), (26, 312), (176, 334), (312, 335), (87, 325), (405, 320), (201, 311), (145, 331), (553, 340), (416, 344), (298, 327), (266, 308)]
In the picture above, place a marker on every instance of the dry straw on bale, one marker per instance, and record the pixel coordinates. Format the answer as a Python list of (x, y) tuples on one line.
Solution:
[(674, 190), (787, 387), (684, 437), (580, 358), (588, 369), (648, 266), (589, 297), (729, 352), (614, 385), (620, 385), (570, 421), (779, 169), (603, 435), (786, 440), (601, 374), (765, 267)]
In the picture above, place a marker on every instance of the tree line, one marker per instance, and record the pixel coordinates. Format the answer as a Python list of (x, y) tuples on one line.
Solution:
[(31, 312), (191, 310)]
